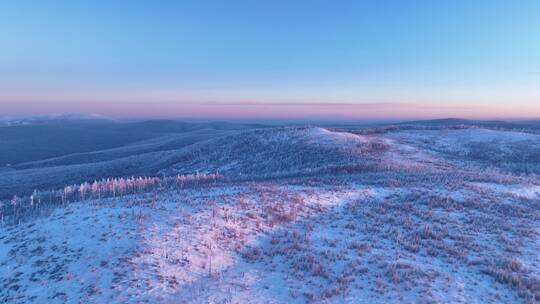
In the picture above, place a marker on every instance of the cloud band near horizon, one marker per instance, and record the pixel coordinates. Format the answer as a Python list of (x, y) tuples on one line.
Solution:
[(267, 110)]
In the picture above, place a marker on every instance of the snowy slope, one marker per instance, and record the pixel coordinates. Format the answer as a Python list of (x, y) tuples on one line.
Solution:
[(513, 151), (278, 152), (409, 228), (141, 158), (271, 242)]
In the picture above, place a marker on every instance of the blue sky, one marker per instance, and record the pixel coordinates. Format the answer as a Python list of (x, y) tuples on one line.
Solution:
[(271, 58)]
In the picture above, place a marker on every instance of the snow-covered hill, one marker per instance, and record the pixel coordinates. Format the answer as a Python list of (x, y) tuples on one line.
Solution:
[(509, 150), (278, 152), (142, 157), (298, 215)]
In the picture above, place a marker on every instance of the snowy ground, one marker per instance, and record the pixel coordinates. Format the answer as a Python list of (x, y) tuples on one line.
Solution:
[(417, 230), (512, 151)]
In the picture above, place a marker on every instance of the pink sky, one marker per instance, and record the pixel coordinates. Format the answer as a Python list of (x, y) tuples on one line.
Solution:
[(253, 109)]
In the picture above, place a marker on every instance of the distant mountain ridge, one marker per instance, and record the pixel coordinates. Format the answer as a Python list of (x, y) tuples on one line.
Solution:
[(54, 118)]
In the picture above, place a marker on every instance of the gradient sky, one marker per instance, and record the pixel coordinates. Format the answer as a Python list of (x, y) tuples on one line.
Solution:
[(365, 59)]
